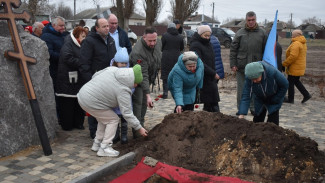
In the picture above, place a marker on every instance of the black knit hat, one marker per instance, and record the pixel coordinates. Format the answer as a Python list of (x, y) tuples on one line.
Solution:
[(176, 21)]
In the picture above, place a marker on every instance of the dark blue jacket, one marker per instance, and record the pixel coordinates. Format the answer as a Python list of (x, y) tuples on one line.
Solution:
[(269, 92), (54, 41), (95, 54), (218, 60), (124, 40), (182, 83)]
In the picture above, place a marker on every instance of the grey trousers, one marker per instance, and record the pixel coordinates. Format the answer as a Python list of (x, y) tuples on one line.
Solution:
[(139, 100), (240, 76)]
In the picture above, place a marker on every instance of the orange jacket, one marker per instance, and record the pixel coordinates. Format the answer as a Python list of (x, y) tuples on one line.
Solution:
[(295, 61)]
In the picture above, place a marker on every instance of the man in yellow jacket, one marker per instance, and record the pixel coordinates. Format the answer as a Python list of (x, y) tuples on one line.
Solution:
[(295, 64)]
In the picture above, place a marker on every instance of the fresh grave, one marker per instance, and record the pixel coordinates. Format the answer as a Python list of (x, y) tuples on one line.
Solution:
[(222, 145)]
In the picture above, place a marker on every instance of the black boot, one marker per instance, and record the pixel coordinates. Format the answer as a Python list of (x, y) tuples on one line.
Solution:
[(165, 89), (124, 131), (216, 108), (116, 139)]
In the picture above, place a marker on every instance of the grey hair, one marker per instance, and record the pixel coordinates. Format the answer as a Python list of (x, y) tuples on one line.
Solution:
[(55, 20), (35, 25), (250, 14)]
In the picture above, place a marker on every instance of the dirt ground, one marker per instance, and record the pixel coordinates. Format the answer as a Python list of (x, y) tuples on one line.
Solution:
[(223, 145)]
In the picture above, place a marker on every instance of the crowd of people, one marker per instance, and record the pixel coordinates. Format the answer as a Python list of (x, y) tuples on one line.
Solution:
[(96, 72)]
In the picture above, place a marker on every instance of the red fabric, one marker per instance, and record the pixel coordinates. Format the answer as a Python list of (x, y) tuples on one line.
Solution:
[(45, 22), (142, 172), (29, 28), (87, 114)]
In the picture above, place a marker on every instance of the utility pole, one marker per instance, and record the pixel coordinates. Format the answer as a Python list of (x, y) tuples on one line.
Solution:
[(212, 12), (74, 9), (290, 22)]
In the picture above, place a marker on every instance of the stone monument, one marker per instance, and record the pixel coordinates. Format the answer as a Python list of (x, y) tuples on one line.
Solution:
[(17, 127)]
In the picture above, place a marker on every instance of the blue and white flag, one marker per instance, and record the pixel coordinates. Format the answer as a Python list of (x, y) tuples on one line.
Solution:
[(270, 47)]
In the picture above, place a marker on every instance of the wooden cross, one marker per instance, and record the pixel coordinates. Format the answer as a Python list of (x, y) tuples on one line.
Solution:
[(18, 55)]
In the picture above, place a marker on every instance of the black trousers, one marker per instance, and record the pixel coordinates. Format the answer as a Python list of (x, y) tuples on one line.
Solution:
[(273, 118), (188, 107), (71, 113), (165, 87), (295, 81), (211, 107)]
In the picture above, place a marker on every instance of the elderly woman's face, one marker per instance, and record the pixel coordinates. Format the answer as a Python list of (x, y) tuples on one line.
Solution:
[(206, 35), (191, 67)]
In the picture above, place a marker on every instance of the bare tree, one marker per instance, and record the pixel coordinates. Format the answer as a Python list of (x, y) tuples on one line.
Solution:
[(36, 7), (32, 9), (182, 9), (124, 11), (290, 24), (229, 19), (152, 9), (312, 20), (63, 11)]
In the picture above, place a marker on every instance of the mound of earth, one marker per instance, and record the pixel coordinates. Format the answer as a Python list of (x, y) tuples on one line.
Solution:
[(222, 145)]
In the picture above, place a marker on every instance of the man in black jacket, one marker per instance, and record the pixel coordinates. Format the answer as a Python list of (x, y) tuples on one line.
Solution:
[(119, 35), (96, 53)]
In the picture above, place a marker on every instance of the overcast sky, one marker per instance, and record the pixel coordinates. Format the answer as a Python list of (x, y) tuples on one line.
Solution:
[(223, 9)]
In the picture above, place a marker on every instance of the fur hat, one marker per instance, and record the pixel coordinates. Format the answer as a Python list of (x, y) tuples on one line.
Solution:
[(121, 55), (137, 74), (171, 25), (254, 70), (189, 57), (203, 28)]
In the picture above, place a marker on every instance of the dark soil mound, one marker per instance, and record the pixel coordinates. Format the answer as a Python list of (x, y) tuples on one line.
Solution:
[(223, 145)]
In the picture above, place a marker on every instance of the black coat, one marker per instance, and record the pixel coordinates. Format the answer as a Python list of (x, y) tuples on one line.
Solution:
[(172, 45), (95, 54), (69, 61), (203, 48)]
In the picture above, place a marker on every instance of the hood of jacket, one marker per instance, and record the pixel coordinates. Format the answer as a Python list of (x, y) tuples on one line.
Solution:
[(124, 76), (182, 66), (301, 39), (172, 31)]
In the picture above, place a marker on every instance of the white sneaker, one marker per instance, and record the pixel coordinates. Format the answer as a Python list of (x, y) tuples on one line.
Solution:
[(107, 150), (96, 145)]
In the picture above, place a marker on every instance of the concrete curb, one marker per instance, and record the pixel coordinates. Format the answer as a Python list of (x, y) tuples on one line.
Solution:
[(105, 169)]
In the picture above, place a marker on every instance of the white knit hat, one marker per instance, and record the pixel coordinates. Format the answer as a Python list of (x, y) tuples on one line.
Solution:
[(203, 28)]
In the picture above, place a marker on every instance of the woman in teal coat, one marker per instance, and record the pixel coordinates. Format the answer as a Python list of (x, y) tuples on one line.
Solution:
[(184, 78)]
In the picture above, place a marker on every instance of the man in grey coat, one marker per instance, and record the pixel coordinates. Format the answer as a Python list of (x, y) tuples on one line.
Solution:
[(147, 53), (247, 46)]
